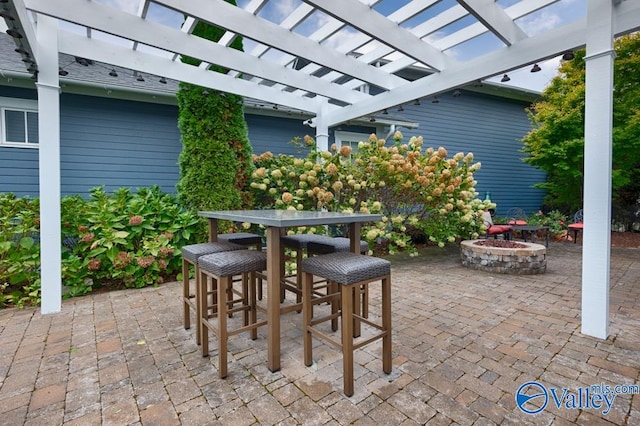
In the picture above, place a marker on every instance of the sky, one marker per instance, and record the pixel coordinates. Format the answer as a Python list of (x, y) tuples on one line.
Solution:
[(277, 10)]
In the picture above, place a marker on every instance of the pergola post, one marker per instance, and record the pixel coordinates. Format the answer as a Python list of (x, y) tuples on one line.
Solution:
[(322, 128), (49, 157), (597, 169)]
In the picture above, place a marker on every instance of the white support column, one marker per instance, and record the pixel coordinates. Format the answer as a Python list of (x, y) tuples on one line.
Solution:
[(49, 132), (597, 169), (322, 128)]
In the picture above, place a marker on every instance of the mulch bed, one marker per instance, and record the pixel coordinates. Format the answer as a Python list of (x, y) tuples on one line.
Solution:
[(627, 239)]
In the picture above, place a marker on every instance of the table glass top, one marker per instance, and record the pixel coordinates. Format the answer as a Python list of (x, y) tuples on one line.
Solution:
[(287, 218)]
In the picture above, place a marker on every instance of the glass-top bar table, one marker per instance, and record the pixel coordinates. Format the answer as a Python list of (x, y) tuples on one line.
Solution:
[(276, 222)]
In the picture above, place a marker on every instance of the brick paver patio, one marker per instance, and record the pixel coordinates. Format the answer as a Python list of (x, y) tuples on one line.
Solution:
[(463, 342)]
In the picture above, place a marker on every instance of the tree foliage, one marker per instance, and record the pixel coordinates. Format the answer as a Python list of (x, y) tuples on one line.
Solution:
[(215, 162), (556, 142)]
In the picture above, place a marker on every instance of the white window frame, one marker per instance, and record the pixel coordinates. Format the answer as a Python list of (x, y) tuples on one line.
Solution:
[(19, 105), (350, 138)]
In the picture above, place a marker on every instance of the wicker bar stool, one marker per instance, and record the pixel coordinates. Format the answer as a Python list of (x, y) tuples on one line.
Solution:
[(335, 244), (341, 245), (299, 243), (350, 271), (242, 238), (221, 267), (190, 256), (245, 239)]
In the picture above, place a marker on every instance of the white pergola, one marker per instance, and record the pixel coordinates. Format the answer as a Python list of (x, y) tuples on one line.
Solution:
[(322, 57)]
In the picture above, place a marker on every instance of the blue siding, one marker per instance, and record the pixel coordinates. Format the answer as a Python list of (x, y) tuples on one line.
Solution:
[(18, 166), (273, 134), (117, 144), (133, 144), (19, 170), (491, 128), (103, 141)]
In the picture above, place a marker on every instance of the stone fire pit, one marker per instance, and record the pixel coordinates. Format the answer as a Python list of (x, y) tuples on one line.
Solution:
[(505, 257)]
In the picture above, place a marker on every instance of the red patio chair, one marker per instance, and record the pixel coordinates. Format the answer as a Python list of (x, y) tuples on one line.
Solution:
[(576, 226), (516, 216), (495, 230)]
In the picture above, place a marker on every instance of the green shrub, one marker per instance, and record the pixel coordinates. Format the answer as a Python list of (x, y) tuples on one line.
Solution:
[(415, 191), (215, 162), (130, 239), (19, 250), (555, 220)]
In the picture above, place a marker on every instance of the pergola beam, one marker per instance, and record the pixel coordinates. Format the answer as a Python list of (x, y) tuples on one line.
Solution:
[(399, 16), (172, 40), (464, 35), (384, 31), (514, 12), (254, 7), (527, 51), (143, 8), (72, 44), (320, 35), (29, 41), (495, 20), (234, 19), (531, 49)]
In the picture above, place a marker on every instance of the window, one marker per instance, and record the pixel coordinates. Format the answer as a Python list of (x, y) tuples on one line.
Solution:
[(350, 139), (18, 123)]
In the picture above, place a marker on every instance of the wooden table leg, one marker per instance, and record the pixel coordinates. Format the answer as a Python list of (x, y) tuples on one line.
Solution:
[(354, 237), (354, 240), (213, 230), (273, 298)]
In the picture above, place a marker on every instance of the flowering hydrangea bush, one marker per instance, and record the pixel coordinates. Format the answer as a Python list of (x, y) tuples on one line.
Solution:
[(415, 190), (121, 238), (132, 238)]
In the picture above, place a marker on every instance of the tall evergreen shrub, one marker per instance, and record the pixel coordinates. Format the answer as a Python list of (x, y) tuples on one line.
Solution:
[(215, 162)]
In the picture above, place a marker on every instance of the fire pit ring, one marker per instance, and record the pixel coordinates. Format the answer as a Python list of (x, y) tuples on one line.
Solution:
[(518, 258)]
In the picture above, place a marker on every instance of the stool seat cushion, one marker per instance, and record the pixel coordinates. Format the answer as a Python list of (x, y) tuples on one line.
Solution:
[(346, 267), (337, 244), (233, 262), (242, 238), (302, 240), (193, 251)]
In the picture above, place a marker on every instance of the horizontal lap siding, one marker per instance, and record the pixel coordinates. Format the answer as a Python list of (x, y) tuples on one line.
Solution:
[(274, 134), (117, 144), (18, 166), (102, 142), (133, 144), (491, 128), (19, 171)]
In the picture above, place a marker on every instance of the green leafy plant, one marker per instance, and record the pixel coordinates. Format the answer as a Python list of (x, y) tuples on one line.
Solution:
[(124, 238), (555, 220), (133, 238), (19, 250)]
